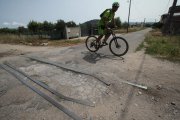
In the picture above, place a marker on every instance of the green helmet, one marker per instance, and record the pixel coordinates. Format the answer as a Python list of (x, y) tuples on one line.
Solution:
[(115, 4)]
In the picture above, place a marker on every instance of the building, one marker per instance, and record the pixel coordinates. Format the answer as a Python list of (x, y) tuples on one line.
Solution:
[(73, 32), (89, 28), (175, 24), (66, 33)]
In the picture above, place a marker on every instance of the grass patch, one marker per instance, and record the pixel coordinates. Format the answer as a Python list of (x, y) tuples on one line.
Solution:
[(36, 41), (167, 47), (22, 39), (65, 42), (140, 47)]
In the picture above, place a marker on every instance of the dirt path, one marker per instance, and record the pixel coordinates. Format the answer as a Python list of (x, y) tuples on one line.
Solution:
[(116, 102)]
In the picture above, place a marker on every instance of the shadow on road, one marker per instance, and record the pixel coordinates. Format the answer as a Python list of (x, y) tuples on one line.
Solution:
[(94, 57)]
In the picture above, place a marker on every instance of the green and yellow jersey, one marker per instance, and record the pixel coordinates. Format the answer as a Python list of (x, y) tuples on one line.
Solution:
[(106, 17)]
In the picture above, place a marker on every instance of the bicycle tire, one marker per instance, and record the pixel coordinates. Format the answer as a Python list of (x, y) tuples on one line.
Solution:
[(94, 39), (122, 40)]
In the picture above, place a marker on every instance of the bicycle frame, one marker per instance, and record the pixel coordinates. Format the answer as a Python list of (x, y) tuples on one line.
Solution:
[(114, 37)]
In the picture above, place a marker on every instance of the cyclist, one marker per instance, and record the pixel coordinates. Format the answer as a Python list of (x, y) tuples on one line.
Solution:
[(106, 17)]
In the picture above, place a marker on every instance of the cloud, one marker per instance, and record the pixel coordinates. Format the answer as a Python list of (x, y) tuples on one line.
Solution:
[(13, 24), (6, 23), (17, 24)]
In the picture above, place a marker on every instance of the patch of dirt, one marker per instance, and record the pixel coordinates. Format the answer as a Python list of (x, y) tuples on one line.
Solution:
[(9, 53)]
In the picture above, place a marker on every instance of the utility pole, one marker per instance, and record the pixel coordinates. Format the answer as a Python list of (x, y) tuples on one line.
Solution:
[(129, 15), (166, 28), (144, 22)]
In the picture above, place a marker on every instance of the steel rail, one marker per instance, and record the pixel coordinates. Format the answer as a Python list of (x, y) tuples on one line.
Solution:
[(67, 68), (46, 97), (84, 102)]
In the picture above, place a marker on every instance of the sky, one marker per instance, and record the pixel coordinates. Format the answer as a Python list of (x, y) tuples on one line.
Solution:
[(14, 13)]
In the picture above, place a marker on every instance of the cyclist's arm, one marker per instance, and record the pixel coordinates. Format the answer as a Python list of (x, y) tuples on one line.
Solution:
[(105, 22), (113, 21)]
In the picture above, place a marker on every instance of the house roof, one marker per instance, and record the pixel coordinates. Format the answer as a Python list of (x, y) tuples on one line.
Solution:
[(177, 9)]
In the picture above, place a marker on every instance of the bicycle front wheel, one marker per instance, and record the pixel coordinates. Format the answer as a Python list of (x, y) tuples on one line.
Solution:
[(91, 43), (118, 46)]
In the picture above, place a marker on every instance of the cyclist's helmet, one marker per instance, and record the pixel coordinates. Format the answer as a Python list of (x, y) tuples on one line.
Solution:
[(115, 4)]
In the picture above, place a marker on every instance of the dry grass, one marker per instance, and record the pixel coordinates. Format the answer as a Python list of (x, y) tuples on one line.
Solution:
[(65, 42), (166, 47), (156, 32), (35, 41), (22, 39)]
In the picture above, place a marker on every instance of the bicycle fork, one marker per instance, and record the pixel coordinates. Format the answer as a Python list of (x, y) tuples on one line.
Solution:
[(115, 41)]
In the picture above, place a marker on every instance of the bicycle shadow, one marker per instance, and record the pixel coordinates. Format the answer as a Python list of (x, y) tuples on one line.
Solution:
[(94, 57)]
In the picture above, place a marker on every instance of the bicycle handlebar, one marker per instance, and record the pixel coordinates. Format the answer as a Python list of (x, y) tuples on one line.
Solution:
[(111, 30)]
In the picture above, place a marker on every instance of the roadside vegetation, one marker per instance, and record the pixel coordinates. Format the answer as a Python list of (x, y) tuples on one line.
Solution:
[(140, 47), (40, 40), (166, 47), (22, 39), (36, 41), (53, 34), (65, 42)]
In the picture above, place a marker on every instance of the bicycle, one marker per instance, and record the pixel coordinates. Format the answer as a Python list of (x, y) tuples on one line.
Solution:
[(118, 44)]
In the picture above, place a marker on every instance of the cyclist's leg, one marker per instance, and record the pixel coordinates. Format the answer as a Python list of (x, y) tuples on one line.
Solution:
[(99, 37), (101, 32), (107, 35)]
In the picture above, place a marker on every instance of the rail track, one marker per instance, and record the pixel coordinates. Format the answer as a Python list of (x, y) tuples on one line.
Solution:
[(22, 77)]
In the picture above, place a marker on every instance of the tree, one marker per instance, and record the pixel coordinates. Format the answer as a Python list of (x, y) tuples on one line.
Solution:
[(33, 26), (157, 25), (71, 24), (47, 27), (22, 30), (148, 25), (60, 25), (8, 31), (125, 25), (118, 22), (60, 28)]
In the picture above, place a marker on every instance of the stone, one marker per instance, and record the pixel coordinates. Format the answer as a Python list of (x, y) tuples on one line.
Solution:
[(159, 87)]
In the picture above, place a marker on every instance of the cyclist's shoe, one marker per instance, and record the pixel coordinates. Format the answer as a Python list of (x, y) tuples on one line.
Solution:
[(97, 44), (104, 43)]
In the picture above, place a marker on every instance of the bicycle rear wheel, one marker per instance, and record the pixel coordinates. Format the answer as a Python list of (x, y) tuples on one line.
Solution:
[(91, 43), (118, 46)]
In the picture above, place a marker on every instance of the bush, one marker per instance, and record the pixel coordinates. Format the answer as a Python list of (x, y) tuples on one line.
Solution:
[(163, 46), (157, 25)]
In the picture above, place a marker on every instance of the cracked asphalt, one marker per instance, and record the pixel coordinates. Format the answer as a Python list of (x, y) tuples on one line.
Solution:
[(119, 101)]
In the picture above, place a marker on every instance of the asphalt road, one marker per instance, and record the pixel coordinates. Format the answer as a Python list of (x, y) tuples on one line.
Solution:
[(114, 102), (133, 39)]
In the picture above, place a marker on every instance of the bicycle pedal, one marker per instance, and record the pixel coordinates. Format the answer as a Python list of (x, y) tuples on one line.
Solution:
[(100, 46), (104, 44)]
